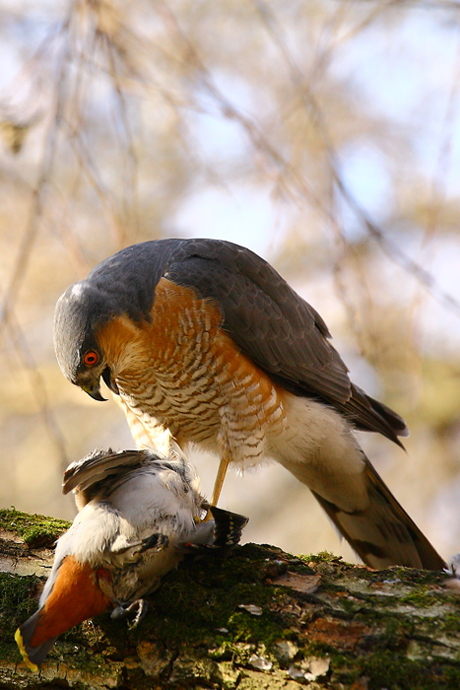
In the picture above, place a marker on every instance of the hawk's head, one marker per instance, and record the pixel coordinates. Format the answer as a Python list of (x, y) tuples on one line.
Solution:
[(80, 313)]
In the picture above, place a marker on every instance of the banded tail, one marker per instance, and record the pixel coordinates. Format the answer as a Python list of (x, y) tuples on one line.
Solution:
[(383, 534)]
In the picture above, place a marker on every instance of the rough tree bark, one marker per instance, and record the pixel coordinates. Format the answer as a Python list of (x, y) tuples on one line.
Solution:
[(259, 618)]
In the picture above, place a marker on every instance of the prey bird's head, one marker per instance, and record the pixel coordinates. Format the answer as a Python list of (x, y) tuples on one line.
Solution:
[(79, 315)]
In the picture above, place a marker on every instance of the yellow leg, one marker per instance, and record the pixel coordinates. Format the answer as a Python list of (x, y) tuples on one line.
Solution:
[(218, 484)]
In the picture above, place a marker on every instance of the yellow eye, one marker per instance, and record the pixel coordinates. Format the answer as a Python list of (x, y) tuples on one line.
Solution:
[(91, 358)]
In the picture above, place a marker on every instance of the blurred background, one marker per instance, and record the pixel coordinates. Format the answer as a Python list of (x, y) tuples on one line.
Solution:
[(323, 135)]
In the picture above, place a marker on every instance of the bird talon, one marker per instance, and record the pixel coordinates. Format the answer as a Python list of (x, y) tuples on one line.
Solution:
[(142, 610)]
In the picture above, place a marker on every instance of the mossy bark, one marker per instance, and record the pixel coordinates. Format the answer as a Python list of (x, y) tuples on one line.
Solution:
[(258, 618)]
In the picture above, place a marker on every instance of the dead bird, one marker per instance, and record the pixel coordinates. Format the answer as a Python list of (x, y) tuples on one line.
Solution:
[(139, 514)]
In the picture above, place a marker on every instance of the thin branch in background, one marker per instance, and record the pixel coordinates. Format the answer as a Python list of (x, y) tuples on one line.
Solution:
[(33, 223), (84, 47), (398, 256), (342, 289), (66, 236), (115, 52), (293, 177), (437, 201), (30, 76), (37, 386), (27, 243), (7, 318), (62, 229), (103, 40), (390, 249), (130, 196), (380, 9), (89, 169), (144, 86), (441, 173), (95, 42)]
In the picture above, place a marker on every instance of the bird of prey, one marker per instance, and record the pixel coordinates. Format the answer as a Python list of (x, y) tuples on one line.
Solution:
[(203, 341), (139, 514)]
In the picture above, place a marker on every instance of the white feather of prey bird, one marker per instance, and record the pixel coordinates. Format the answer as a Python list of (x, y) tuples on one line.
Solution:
[(139, 513)]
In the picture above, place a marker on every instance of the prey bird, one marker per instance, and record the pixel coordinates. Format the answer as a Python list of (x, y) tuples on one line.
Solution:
[(139, 514), (203, 342)]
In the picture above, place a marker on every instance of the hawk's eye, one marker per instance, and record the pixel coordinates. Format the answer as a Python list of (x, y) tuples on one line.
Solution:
[(91, 358)]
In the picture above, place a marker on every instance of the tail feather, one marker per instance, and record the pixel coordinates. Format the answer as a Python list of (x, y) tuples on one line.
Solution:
[(228, 527), (383, 534), (33, 656), (318, 447), (222, 531)]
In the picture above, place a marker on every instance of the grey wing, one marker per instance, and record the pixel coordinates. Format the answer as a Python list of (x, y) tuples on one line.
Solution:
[(277, 329), (268, 320), (271, 324), (99, 465)]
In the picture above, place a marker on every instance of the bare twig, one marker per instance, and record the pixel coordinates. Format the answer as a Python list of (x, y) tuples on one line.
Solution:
[(32, 227), (37, 385), (390, 248)]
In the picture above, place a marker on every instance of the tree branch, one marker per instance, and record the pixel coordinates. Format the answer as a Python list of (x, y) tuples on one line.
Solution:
[(258, 618)]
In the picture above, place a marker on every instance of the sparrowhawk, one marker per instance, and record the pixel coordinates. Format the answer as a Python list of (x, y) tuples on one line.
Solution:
[(203, 341)]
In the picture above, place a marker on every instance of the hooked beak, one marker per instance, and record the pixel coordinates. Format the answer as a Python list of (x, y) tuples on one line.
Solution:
[(109, 382), (94, 391)]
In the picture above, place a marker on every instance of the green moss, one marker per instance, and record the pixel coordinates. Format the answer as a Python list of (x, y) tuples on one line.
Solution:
[(321, 557), (16, 600), (390, 669), (412, 576), (36, 530), (17, 603), (423, 596), (387, 669), (396, 634), (199, 599), (245, 627), (451, 623)]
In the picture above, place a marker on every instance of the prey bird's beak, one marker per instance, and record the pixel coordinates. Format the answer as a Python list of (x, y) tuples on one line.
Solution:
[(94, 392)]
